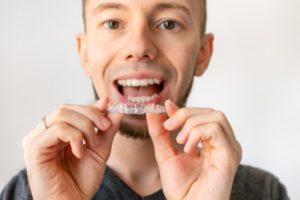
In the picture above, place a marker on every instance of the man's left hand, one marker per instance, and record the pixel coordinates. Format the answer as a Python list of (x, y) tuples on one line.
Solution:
[(192, 172)]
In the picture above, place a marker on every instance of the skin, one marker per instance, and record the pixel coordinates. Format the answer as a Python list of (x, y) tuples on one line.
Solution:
[(60, 166)]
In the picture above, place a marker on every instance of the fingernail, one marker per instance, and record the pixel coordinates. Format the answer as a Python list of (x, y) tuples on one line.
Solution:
[(105, 123), (168, 122)]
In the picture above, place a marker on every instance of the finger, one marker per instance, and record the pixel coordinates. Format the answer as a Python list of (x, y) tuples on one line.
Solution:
[(171, 107), (101, 104), (210, 135), (196, 120), (161, 138), (94, 115), (57, 134), (178, 119), (104, 139), (94, 112), (75, 119), (214, 142)]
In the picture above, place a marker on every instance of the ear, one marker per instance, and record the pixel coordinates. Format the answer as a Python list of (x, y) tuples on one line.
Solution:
[(205, 54), (82, 51)]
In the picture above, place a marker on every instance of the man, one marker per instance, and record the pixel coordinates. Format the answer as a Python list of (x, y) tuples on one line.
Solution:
[(140, 52)]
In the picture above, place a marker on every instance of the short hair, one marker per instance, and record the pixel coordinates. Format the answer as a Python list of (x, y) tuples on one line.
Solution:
[(203, 15)]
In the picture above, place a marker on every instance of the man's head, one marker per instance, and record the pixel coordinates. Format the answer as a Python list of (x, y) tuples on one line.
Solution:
[(144, 51)]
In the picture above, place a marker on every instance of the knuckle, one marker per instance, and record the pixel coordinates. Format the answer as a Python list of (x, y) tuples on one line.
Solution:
[(220, 116), (65, 105), (60, 126), (210, 109), (61, 111), (215, 128)]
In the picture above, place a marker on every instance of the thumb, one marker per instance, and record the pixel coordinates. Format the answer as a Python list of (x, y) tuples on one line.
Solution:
[(171, 107), (101, 104), (161, 138), (115, 119), (105, 139)]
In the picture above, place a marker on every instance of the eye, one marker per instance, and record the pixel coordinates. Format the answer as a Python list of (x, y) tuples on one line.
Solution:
[(170, 25), (112, 24)]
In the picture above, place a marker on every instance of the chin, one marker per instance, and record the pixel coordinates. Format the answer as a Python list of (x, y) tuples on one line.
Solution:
[(134, 126)]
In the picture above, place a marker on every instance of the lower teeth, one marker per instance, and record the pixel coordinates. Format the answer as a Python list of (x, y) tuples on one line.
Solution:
[(144, 99)]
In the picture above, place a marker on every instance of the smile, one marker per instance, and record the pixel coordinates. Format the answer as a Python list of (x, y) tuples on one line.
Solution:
[(140, 90)]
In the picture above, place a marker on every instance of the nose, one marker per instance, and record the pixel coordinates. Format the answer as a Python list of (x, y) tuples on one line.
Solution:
[(139, 45)]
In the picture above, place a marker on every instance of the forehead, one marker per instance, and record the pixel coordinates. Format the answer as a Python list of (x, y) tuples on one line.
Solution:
[(191, 7)]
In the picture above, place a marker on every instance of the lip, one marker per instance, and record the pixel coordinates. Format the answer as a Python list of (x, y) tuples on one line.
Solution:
[(139, 75), (142, 75)]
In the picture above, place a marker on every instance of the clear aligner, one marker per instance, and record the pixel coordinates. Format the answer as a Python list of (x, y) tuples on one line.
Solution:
[(137, 109)]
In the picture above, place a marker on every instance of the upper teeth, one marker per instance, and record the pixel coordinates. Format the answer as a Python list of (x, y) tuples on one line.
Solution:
[(138, 82)]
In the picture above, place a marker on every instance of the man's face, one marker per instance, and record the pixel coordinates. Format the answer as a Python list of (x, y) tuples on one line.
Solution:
[(142, 52)]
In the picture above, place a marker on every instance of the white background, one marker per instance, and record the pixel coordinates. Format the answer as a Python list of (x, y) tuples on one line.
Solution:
[(254, 76)]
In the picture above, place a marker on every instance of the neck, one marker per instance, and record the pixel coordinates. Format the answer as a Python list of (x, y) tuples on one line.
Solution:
[(133, 160)]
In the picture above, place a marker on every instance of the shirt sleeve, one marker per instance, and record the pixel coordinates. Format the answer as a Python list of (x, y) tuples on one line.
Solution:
[(255, 184), (279, 191), (17, 188)]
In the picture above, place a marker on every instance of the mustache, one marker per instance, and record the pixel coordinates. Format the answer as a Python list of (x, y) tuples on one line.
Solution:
[(149, 67)]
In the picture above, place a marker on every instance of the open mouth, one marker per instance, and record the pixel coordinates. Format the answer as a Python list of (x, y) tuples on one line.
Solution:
[(140, 91)]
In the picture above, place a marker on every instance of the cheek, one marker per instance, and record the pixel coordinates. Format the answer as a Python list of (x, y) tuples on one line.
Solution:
[(183, 58), (181, 52), (101, 51), (99, 58)]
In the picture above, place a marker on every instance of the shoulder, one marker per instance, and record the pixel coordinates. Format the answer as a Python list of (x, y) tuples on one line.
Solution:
[(254, 183), (17, 188)]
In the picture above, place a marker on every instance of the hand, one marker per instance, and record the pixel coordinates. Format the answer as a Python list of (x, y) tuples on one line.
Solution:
[(194, 173), (58, 163)]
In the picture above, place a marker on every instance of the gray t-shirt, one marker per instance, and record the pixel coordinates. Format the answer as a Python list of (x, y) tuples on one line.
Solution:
[(249, 184)]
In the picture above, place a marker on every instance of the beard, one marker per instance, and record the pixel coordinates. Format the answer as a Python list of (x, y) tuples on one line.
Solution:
[(129, 130)]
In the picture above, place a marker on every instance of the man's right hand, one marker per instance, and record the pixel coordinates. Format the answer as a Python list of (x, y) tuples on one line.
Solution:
[(59, 165)]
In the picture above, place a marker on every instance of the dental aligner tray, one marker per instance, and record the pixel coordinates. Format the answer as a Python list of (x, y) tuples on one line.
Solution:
[(137, 109)]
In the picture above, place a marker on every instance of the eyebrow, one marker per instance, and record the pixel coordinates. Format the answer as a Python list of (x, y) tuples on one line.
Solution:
[(158, 7), (165, 6), (106, 6)]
